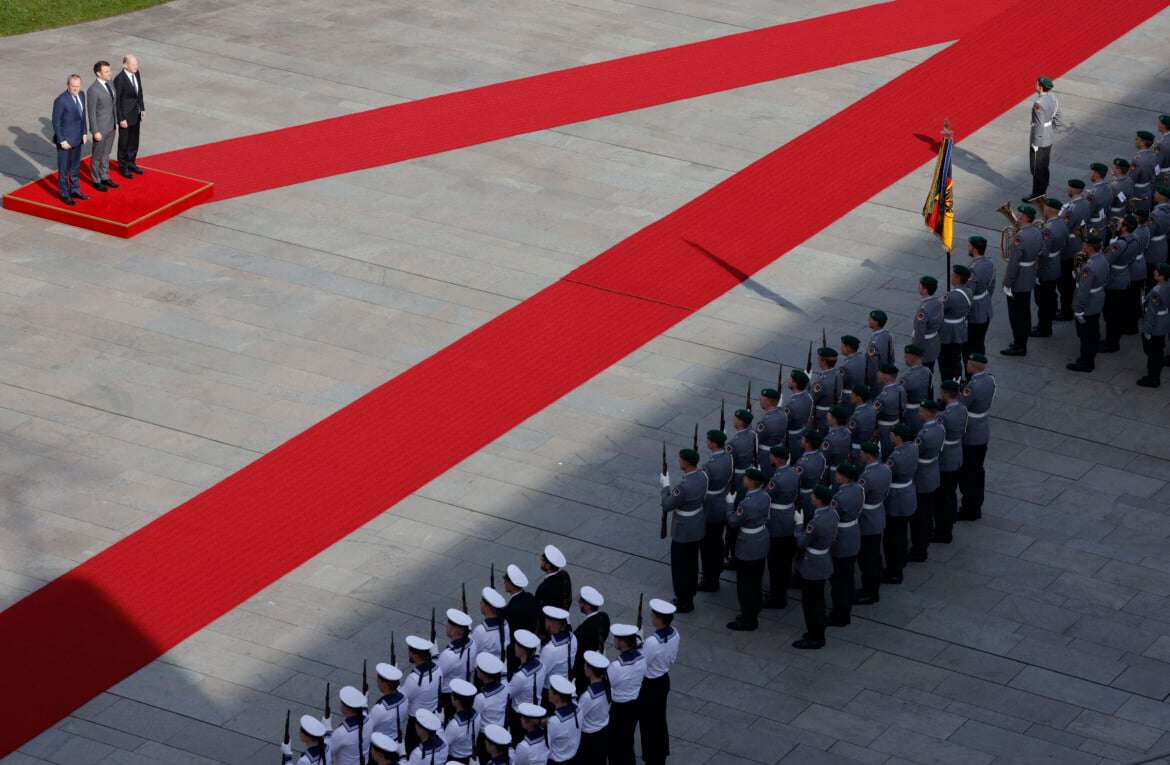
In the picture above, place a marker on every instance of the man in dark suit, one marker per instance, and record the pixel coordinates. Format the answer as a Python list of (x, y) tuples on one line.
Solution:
[(591, 632), (521, 612), (130, 109), (556, 589), (69, 136), (99, 100)]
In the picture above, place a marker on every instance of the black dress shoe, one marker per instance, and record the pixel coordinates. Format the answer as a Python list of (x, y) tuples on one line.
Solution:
[(137, 170), (739, 626), (730, 564), (837, 621), (705, 586), (110, 183), (1149, 382), (806, 645), (126, 174), (1012, 350), (965, 515), (69, 201), (865, 600), (1077, 366), (79, 195), (775, 603), (941, 539), (916, 556), (99, 186), (1037, 332), (682, 608), (891, 578)]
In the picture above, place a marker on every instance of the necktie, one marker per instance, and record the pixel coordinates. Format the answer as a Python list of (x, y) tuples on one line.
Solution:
[(109, 89), (77, 101)]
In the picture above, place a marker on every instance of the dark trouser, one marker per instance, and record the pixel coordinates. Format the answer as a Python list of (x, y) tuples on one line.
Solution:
[(412, 737), (1133, 308), (68, 170), (780, 555), (711, 553), (921, 523), (869, 561), (1089, 333), (623, 719), (729, 544), (841, 588), (950, 363), (592, 748), (946, 504), (971, 478), (684, 570), (812, 597), (1066, 285), (1019, 307), (1045, 305), (655, 734), (976, 340), (128, 146), (894, 542), (749, 580), (1114, 315), (1038, 164), (1155, 355)]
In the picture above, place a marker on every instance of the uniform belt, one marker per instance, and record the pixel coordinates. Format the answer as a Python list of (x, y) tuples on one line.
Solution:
[(1096, 219), (789, 506), (874, 506), (716, 491), (887, 422), (976, 415), (798, 430), (822, 408), (815, 551), (952, 443), (959, 320), (1096, 289), (847, 524), (740, 471), (931, 336), (980, 296), (1027, 263), (687, 513), (1163, 313), (926, 462), (1141, 185), (1120, 268), (913, 406), (1157, 238), (902, 485), (755, 530)]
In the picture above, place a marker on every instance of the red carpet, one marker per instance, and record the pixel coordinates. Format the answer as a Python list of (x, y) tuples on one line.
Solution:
[(120, 609), (135, 206)]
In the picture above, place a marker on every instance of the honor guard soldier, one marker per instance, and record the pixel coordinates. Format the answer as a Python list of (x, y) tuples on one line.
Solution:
[(772, 428), (383, 749), (685, 503), (1155, 325), (591, 632), (421, 686), (798, 410), (863, 420), (462, 730), (810, 467), (881, 347), (901, 501), (982, 287), (1118, 254), (486, 634), (593, 706), (1045, 122), (927, 321), (783, 489), (890, 404), (1020, 277), (749, 517), (626, 673), (852, 366), (1159, 226), (521, 612), (847, 501), (432, 749), (1162, 151), (528, 679), (1141, 170), (875, 481), (1088, 304), (917, 381), (390, 711), (343, 741), (742, 446), (1099, 194), (926, 480), (492, 702), (498, 743), (457, 659), (312, 735), (827, 389), (814, 538), (1055, 234), (838, 444), (1141, 270), (661, 651), (718, 468), (556, 587), (1075, 214), (1122, 188), (954, 421), (976, 396), (953, 334), (564, 724), (532, 749), (558, 653)]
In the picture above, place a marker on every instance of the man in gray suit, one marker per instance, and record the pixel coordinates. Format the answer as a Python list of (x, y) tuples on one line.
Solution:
[(1045, 120), (99, 100)]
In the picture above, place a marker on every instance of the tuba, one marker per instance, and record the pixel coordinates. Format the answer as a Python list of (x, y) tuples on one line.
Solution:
[(1007, 235)]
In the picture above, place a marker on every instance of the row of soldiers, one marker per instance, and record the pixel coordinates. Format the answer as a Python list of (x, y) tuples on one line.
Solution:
[(521, 687)]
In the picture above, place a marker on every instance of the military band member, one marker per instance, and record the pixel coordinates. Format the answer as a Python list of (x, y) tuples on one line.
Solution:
[(688, 524), (1141, 170), (312, 735), (901, 501), (486, 634), (929, 441), (928, 320), (1075, 214), (1045, 121), (875, 481), (556, 586), (527, 680), (1155, 325), (463, 726), (863, 421), (1055, 234), (498, 744), (593, 706), (953, 333), (783, 489), (1123, 189), (982, 288), (1020, 277), (848, 499), (889, 406), (342, 742), (838, 444), (1088, 303), (772, 427), (749, 518), (881, 347), (564, 724), (954, 421), (457, 659), (814, 538), (810, 467), (421, 686), (719, 471), (626, 673), (661, 651), (383, 749), (852, 365), (431, 748), (591, 632), (532, 749), (492, 702), (827, 389), (389, 712), (977, 396), (1162, 152), (557, 655), (798, 409), (1159, 226), (917, 381), (1119, 253)]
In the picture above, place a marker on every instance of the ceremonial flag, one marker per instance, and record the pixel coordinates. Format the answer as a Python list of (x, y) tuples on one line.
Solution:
[(939, 210)]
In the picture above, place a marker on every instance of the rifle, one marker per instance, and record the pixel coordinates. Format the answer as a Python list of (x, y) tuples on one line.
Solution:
[(362, 719), (492, 577), (665, 471), (432, 624), (748, 401), (723, 415), (695, 443), (365, 680), (287, 715), (393, 656), (327, 714), (638, 623), (534, 696), (808, 364), (780, 381), (464, 586), (824, 340)]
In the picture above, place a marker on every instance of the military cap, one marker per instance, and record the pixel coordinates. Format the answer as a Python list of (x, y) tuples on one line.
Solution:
[(428, 720), (1053, 202), (312, 726), (554, 556), (1165, 119), (903, 430), (530, 710), (665, 607), (352, 697), (1027, 210), (516, 576), (596, 659), (850, 341), (771, 393), (755, 474), (888, 369), (978, 358), (1121, 162), (1044, 82), (914, 350), (458, 618), (879, 316), (1099, 167), (623, 630), (800, 376), (930, 405), (1131, 221), (689, 456), (840, 412), (461, 687), (780, 450), (813, 436), (591, 596), (744, 414), (560, 684), (718, 436), (928, 281), (388, 672), (951, 385), (526, 638), (827, 352), (489, 664), (1093, 239), (1163, 269), (555, 613), (962, 271), (1145, 135), (1141, 211), (862, 390), (1076, 183), (847, 469), (422, 645), (978, 240), (823, 493), (869, 447), (492, 598), (498, 734), (1164, 191), (383, 743)]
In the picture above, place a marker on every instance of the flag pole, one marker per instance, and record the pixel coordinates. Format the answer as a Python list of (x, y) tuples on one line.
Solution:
[(947, 134)]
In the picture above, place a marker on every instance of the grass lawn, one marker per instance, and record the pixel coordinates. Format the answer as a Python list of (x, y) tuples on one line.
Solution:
[(18, 16)]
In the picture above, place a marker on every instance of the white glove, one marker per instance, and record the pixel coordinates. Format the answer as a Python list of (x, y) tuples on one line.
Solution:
[(797, 517), (1007, 290), (327, 721), (729, 499), (286, 748), (1080, 319), (664, 480), (1145, 336)]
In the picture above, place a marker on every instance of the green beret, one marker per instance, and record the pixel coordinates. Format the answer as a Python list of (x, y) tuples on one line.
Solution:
[(814, 436), (1165, 120), (977, 240), (952, 385), (914, 350), (888, 369), (879, 316), (1093, 239), (827, 352), (863, 392), (1121, 162), (1145, 135), (1099, 167), (1164, 191), (1053, 202), (928, 281), (717, 436), (962, 271), (779, 450), (869, 447), (1044, 82), (850, 341), (690, 456), (755, 474), (1130, 221), (770, 393), (978, 358), (799, 376), (1027, 210), (930, 405), (744, 414), (1076, 183), (839, 412), (1141, 212), (1163, 269), (847, 470), (823, 493), (903, 430)]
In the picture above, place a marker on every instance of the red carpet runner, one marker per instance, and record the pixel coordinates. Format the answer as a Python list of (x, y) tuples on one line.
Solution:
[(123, 607)]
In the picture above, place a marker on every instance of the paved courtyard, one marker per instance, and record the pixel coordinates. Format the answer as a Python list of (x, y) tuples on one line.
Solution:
[(135, 374)]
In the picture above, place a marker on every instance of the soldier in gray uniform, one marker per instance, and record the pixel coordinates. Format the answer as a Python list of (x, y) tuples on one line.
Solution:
[(1144, 233), (1045, 121), (742, 447), (1122, 188), (863, 420), (1141, 170), (810, 467), (889, 405), (875, 481), (1100, 197), (798, 409), (852, 368), (901, 501), (954, 421), (827, 388), (771, 429), (1075, 214), (1055, 234), (847, 501), (982, 288), (977, 397), (814, 539), (918, 382), (953, 333), (881, 347), (750, 518), (685, 502), (1162, 151), (926, 480), (1134, 225), (1019, 277), (1088, 303), (838, 443), (1119, 253), (718, 469), (1159, 226), (1155, 325), (927, 321), (783, 488)]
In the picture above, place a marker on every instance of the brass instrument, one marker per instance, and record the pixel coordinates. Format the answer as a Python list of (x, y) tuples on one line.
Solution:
[(1079, 260), (1008, 234)]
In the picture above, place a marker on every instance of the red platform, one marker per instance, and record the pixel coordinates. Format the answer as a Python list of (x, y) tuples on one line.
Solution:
[(139, 203)]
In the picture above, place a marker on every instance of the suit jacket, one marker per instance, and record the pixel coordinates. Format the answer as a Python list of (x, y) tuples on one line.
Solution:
[(521, 612), (68, 120), (128, 104), (100, 108), (591, 632), (557, 588)]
